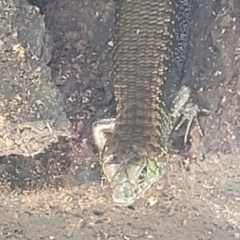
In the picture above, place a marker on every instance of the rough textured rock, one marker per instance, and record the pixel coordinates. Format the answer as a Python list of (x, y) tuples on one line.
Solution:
[(31, 108)]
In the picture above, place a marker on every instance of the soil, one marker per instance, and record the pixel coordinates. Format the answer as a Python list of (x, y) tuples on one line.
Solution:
[(57, 194)]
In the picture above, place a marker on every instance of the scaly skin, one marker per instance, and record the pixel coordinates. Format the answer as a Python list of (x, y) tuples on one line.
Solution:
[(150, 47)]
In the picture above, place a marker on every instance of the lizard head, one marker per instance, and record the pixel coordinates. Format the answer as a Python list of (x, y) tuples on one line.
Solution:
[(130, 171)]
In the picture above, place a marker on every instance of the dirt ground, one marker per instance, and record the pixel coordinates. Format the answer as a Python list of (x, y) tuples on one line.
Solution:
[(58, 195)]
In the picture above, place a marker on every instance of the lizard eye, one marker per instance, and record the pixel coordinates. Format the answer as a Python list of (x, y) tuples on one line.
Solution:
[(143, 174)]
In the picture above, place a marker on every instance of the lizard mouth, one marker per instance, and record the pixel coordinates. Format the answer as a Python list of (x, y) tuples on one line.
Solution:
[(130, 182)]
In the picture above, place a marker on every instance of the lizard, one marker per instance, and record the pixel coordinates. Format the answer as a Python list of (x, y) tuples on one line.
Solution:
[(149, 52)]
